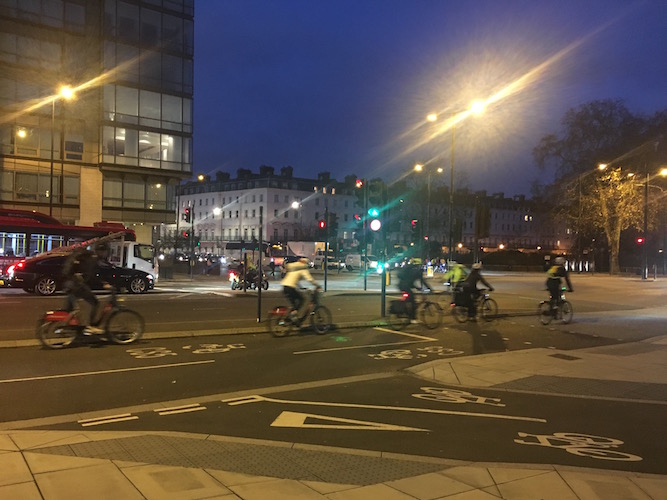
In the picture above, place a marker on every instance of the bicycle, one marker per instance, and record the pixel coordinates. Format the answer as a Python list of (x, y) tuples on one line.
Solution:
[(562, 312), (283, 319), (487, 308), (120, 325), (429, 313)]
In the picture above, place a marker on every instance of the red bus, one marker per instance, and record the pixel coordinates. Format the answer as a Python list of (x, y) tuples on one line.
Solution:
[(24, 233)]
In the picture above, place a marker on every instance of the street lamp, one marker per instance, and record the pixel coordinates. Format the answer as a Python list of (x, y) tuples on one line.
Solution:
[(477, 107), (439, 170), (66, 92)]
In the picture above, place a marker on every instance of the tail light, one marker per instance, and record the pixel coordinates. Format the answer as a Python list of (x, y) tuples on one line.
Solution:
[(232, 276)]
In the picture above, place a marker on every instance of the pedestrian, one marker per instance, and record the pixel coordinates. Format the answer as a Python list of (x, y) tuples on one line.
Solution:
[(272, 266)]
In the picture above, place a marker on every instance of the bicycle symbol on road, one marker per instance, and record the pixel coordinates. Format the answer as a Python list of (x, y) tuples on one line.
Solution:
[(582, 445), (422, 352), (455, 396), (160, 352)]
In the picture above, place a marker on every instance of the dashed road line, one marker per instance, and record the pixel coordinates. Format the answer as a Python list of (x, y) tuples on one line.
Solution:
[(180, 409), (107, 420)]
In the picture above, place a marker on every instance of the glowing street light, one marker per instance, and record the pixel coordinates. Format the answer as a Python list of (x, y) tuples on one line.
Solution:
[(477, 107), (67, 93)]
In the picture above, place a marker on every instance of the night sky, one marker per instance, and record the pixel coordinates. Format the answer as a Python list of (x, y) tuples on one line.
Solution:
[(345, 86)]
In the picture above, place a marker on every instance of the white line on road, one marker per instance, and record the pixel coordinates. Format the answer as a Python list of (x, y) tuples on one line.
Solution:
[(257, 399), (103, 372), (107, 420), (180, 409), (362, 346)]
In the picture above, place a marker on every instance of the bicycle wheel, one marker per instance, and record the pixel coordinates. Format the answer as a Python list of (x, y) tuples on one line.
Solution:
[(124, 326), (430, 313), (460, 313), (321, 319), (56, 334), (566, 312), (488, 309), (280, 324), (398, 320), (544, 312)]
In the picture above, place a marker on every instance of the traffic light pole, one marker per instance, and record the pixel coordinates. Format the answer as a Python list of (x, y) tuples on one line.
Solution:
[(192, 242), (326, 245), (259, 267), (364, 266)]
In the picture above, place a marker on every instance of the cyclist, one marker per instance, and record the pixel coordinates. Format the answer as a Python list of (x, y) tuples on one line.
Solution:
[(555, 274), (456, 274), (296, 273), (407, 276), (80, 273), (470, 292)]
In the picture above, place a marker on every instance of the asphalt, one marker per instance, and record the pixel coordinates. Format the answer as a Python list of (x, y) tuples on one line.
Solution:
[(155, 465)]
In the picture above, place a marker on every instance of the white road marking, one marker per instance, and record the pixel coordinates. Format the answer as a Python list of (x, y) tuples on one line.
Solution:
[(103, 372), (258, 398), (292, 419), (180, 409), (331, 349), (397, 332), (107, 420)]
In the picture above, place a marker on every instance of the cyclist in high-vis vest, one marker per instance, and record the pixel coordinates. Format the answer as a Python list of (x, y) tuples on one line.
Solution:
[(555, 274), (456, 274)]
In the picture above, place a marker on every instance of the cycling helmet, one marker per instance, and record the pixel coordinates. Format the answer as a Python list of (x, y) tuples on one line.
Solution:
[(560, 261), (477, 265)]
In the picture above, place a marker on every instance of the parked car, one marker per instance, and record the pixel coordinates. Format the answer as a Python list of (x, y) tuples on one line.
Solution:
[(43, 275)]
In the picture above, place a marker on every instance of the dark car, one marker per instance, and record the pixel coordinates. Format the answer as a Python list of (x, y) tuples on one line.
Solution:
[(43, 275)]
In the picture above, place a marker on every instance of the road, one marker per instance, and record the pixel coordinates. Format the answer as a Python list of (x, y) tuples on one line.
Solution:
[(348, 388)]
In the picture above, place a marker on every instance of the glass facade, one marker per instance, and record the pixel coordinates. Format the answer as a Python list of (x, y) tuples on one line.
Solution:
[(129, 127)]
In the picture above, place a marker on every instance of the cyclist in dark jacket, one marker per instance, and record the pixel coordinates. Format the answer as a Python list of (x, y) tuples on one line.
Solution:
[(555, 274), (407, 276), (80, 273), (470, 290)]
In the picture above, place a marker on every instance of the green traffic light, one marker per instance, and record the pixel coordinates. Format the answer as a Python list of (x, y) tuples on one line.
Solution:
[(373, 212)]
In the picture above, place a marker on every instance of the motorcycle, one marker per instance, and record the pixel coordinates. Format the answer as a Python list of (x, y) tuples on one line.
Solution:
[(250, 283)]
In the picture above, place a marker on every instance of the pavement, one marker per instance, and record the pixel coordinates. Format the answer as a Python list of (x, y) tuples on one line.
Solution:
[(89, 464)]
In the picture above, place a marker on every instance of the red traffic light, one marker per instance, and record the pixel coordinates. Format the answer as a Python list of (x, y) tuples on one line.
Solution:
[(359, 183), (640, 240), (413, 222), (322, 224)]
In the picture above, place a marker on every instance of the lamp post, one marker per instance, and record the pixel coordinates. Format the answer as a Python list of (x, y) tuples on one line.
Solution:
[(663, 173), (420, 168), (66, 93), (477, 107)]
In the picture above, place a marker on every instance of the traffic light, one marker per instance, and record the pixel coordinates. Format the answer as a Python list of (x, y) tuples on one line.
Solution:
[(640, 241), (415, 230), (359, 183), (186, 234), (186, 214), (321, 224)]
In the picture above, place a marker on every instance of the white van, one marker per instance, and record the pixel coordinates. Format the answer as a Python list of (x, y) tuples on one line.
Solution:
[(134, 256), (318, 260), (354, 261)]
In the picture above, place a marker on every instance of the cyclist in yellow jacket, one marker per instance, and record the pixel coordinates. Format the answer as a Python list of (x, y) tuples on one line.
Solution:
[(456, 274)]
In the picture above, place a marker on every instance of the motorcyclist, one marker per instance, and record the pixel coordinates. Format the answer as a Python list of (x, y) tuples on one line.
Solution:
[(469, 289), (296, 273), (407, 276), (80, 273), (555, 275)]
